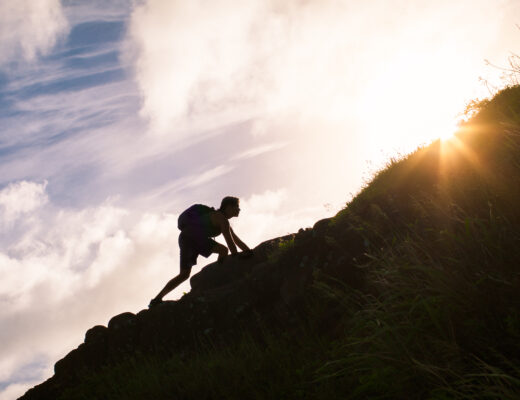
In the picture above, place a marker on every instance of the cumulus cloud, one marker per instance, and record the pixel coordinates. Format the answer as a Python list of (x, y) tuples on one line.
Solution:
[(198, 57), (186, 49), (339, 61), (20, 198), (270, 214), (67, 270), (29, 28)]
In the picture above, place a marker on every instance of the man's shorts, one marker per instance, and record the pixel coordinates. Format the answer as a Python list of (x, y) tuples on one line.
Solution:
[(192, 243)]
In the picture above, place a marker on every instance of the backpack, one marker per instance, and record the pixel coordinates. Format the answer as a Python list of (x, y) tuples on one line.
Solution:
[(193, 215)]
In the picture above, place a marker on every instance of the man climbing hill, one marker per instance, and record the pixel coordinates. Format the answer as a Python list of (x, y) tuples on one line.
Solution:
[(198, 225)]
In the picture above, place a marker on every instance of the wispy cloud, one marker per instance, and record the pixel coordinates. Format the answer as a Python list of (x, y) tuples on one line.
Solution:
[(208, 175), (256, 151), (66, 115)]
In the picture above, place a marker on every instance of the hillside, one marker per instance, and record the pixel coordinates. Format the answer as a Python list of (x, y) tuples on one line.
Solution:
[(412, 291)]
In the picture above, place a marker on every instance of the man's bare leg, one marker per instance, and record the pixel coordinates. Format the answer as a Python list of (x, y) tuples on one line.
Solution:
[(222, 252), (219, 249), (172, 284)]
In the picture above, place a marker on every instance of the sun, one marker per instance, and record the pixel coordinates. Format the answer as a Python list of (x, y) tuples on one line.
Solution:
[(408, 104), (447, 133)]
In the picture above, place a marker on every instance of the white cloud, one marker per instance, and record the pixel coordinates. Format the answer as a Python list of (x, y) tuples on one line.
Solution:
[(336, 61), (267, 202), (20, 198), (270, 214), (189, 53), (29, 28), (67, 270)]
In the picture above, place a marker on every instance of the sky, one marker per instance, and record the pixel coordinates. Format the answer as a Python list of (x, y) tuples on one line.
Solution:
[(116, 116)]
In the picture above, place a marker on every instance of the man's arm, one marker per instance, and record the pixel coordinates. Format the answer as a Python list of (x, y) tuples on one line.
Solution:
[(226, 231), (238, 242)]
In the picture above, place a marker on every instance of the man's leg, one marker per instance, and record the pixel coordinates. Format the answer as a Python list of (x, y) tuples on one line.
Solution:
[(218, 248), (221, 250), (172, 284)]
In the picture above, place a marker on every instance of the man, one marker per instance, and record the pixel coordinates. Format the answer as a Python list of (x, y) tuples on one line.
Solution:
[(198, 225)]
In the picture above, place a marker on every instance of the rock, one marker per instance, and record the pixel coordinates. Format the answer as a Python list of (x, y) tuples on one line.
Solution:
[(233, 268), (321, 226), (121, 320), (95, 334), (70, 364)]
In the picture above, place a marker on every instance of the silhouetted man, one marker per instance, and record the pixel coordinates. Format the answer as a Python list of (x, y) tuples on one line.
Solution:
[(198, 225)]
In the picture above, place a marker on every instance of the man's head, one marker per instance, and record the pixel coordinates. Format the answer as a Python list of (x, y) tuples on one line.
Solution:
[(230, 206)]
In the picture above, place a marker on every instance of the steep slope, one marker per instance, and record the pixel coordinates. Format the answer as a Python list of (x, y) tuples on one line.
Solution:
[(226, 299), (411, 291)]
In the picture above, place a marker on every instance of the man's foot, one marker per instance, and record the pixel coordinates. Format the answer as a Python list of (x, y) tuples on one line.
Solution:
[(154, 302)]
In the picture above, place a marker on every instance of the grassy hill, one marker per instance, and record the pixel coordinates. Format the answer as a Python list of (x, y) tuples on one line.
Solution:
[(411, 292)]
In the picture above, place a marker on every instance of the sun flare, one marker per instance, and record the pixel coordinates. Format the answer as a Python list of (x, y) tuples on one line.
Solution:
[(447, 133), (402, 110)]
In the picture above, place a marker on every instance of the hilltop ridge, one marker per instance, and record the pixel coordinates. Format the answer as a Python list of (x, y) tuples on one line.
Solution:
[(411, 291)]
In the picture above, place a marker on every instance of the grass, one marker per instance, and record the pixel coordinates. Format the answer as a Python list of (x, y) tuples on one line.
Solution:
[(276, 367), (282, 248), (437, 315)]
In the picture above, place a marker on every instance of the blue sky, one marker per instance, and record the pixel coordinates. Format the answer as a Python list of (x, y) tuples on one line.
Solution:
[(115, 116)]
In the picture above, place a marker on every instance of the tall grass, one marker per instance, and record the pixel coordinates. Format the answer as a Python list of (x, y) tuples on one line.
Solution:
[(439, 326), (442, 317)]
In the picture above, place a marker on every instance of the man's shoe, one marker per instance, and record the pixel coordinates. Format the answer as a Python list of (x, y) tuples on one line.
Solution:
[(154, 302)]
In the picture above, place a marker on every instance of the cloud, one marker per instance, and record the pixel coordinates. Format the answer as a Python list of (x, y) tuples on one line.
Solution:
[(329, 60), (258, 150), (270, 214), (20, 198), (162, 194), (209, 175), (29, 28), (189, 52), (201, 57), (66, 270), (15, 390)]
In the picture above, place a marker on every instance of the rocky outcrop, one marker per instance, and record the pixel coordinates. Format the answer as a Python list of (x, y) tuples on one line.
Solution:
[(241, 293)]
